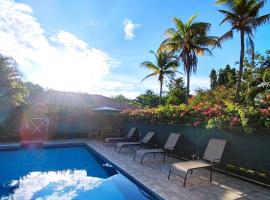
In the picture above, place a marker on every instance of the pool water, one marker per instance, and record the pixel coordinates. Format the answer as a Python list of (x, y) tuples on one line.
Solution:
[(63, 173)]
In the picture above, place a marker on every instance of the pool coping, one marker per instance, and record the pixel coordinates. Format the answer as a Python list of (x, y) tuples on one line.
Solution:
[(93, 150)]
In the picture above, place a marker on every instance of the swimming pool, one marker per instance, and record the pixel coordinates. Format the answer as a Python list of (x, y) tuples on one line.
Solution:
[(64, 172)]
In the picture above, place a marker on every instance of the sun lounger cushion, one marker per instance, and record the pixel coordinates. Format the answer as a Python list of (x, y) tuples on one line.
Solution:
[(188, 165)]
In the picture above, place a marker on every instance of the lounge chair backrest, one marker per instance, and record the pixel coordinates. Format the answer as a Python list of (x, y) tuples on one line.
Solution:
[(148, 137), (214, 150), (131, 132), (171, 141)]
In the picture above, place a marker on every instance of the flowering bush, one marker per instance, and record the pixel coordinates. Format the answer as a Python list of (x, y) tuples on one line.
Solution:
[(226, 116)]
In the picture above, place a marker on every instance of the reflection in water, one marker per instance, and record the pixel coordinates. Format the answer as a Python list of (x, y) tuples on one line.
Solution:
[(55, 185)]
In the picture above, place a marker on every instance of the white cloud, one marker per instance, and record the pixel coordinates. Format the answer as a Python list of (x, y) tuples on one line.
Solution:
[(60, 61), (129, 29), (74, 183)]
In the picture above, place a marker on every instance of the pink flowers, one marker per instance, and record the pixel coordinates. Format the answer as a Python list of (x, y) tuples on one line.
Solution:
[(213, 111), (265, 111), (197, 123), (234, 121)]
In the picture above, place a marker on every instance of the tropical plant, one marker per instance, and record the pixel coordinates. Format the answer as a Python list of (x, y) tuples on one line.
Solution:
[(243, 16), (227, 76), (176, 93), (12, 87), (122, 99), (213, 79), (165, 65), (12, 96), (34, 89), (148, 99), (187, 41)]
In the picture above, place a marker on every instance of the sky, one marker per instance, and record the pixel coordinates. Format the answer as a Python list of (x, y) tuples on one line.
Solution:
[(97, 46)]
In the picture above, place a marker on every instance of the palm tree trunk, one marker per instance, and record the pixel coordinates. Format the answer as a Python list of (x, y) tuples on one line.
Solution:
[(188, 80), (160, 92), (241, 66)]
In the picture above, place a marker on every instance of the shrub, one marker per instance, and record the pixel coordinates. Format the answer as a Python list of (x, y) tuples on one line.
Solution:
[(226, 116)]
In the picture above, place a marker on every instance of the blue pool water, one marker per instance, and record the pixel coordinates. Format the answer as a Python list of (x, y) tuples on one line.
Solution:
[(63, 173)]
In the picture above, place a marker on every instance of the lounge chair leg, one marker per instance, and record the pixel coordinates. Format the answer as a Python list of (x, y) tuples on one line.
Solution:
[(211, 173), (164, 157), (134, 157), (120, 149), (185, 179), (191, 171), (115, 147), (154, 155), (142, 159), (132, 147), (169, 174)]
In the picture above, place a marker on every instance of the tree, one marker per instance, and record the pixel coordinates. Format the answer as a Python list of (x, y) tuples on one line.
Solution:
[(166, 65), (188, 40), (12, 88), (256, 79), (148, 99), (213, 79), (33, 88), (227, 77), (122, 99), (176, 92), (243, 16)]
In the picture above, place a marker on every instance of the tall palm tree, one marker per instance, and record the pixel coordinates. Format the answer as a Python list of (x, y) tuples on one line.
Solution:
[(188, 40), (165, 65), (243, 16)]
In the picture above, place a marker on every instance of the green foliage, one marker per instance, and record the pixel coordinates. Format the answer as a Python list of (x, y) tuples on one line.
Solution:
[(33, 88), (210, 109), (148, 99), (187, 41), (12, 96), (213, 79), (256, 81), (227, 77), (122, 99), (176, 92), (244, 17), (165, 66), (12, 88)]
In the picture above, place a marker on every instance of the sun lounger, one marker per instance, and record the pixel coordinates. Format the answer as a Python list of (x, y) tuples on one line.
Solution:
[(212, 156), (169, 146), (129, 136), (144, 141)]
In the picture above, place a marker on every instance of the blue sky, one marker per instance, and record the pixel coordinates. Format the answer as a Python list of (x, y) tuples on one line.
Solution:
[(96, 46)]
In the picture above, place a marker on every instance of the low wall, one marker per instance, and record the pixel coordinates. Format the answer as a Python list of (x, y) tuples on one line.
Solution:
[(242, 150)]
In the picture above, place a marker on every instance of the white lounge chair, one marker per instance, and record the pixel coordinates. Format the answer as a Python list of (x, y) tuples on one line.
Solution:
[(169, 146), (129, 136), (144, 141), (212, 156)]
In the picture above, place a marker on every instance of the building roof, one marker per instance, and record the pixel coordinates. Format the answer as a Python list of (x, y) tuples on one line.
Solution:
[(59, 98)]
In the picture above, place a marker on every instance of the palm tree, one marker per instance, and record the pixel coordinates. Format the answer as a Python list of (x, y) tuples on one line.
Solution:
[(166, 65), (243, 16), (187, 41)]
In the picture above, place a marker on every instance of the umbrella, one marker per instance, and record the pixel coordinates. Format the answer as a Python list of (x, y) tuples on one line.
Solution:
[(106, 108)]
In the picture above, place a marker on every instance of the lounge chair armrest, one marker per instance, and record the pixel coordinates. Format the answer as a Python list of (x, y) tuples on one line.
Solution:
[(195, 157), (168, 149), (215, 161)]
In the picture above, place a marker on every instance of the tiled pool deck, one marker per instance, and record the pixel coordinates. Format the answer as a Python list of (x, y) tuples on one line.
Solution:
[(153, 174)]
